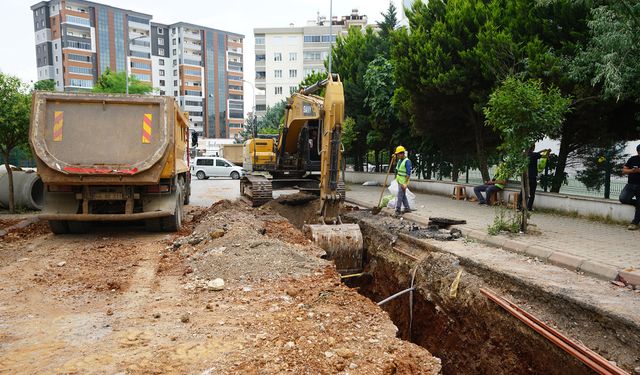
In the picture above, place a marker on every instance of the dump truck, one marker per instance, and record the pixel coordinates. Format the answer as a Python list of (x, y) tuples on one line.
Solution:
[(110, 157)]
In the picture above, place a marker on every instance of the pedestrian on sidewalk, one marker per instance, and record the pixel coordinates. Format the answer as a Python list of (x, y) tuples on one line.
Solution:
[(537, 162), (403, 174), (496, 184), (631, 192)]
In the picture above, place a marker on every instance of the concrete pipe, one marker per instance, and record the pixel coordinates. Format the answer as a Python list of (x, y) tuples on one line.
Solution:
[(28, 189)]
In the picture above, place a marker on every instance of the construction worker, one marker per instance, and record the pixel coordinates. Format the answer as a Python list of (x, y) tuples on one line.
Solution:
[(403, 173)]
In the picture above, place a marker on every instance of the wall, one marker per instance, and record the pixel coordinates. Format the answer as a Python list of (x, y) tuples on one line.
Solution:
[(566, 203)]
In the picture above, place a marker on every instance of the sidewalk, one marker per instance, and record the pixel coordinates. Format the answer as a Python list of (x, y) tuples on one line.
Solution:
[(599, 249)]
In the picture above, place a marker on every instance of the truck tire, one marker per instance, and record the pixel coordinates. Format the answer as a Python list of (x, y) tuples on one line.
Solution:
[(235, 175), (187, 193), (200, 175), (58, 226), (78, 227), (174, 222)]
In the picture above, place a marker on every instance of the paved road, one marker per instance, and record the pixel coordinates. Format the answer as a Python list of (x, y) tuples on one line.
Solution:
[(206, 192), (613, 245)]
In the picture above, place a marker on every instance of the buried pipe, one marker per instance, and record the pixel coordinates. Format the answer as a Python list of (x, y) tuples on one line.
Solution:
[(395, 296), (28, 189)]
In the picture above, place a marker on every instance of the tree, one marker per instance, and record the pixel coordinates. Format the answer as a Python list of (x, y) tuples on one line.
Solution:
[(599, 164), (313, 78), (45, 85), (115, 82), (15, 108), (523, 112), (351, 57)]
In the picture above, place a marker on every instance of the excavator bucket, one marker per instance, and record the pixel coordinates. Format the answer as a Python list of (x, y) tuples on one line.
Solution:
[(343, 244)]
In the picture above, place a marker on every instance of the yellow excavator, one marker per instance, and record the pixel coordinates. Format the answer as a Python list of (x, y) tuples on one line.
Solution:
[(307, 155)]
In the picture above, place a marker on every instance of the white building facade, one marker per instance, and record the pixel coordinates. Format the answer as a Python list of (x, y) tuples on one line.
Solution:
[(286, 55)]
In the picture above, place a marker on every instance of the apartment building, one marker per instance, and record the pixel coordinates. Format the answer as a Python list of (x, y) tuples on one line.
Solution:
[(285, 55), (201, 67)]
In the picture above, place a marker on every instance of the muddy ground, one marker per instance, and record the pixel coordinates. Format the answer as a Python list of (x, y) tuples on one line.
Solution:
[(120, 300)]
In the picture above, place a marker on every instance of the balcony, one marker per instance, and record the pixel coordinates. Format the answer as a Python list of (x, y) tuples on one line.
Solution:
[(192, 46)]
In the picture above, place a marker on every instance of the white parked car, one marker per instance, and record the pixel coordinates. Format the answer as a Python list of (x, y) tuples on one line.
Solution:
[(208, 166)]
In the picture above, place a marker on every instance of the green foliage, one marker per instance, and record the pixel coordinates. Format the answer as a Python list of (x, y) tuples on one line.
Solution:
[(45, 85), (599, 164), (15, 109), (312, 78), (113, 83), (268, 124), (349, 135), (523, 112), (504, 221), (610, 58)]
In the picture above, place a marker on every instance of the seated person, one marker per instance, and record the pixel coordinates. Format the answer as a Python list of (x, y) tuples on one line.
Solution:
[(489, 187)]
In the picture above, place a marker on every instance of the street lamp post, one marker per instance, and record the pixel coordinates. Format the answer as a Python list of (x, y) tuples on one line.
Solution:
[(126, 70), (253, 109)]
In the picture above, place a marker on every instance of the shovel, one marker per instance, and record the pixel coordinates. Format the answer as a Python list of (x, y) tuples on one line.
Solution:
[(376, 210)]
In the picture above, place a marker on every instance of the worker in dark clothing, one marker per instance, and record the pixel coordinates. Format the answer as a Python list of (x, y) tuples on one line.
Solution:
[(537, 162), (631, 192)]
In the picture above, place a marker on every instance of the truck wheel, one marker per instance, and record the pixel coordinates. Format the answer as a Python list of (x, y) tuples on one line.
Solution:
[(58, 226), (174, 222), (201, 175), (235, 175), (78, 227)]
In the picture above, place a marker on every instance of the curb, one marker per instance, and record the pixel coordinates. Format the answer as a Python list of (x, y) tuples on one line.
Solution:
[(545, 254)]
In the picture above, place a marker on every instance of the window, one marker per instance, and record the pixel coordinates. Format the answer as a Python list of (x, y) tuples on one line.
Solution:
[(232, 87), (175, 52), (260, 40), (79, 45), (293, 56), (76, 20), (193, 72), (79, 70), (143, 55), (140, 65), (204, 162), (175, 93), (56, 58), (260, 57), (85, 83), (175, 72), (311, 55), (143, 21), (161, 53), (277, 56), (161, 72), (160, 31), (175, 62), (161, 41), (162, 82), (222, 163), (162, 92), (193, 103), (75, 57), (293, 73), (142, 77), (261, 75), (161, 62), (292, 89), (192, 93), (195, 113), (261, 107), (278, 90), (57, 71), (175, 82), (277, 73)]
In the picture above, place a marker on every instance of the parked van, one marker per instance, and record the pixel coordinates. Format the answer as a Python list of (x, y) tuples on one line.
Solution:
[(205, 167)]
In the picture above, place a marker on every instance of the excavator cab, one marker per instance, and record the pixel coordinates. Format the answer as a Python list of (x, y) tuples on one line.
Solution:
[(308, 155)]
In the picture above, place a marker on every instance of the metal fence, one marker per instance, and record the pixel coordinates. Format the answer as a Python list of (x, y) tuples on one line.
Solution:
[(571, 187)]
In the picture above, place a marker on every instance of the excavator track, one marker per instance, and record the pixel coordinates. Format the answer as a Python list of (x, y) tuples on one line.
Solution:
[(256, 190)]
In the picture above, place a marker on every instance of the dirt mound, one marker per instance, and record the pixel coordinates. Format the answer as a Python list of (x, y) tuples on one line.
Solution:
[(299, 208)]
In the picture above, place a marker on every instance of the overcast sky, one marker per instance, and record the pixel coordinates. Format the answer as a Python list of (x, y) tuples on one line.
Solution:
[(240, 16)]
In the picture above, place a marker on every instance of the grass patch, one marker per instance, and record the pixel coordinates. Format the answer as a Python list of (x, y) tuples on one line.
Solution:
[(505, 220)]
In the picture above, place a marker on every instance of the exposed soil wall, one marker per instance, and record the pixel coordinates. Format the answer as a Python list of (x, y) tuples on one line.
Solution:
[(469, 333)]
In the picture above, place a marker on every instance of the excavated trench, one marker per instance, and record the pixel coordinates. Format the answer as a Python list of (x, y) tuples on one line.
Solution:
[(469, 333)]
